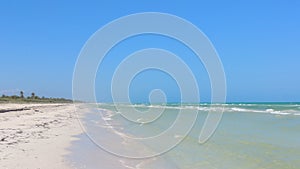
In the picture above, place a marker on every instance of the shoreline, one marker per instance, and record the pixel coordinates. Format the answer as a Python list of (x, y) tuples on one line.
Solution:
[(37, 135), (93, 148), (51, 136)]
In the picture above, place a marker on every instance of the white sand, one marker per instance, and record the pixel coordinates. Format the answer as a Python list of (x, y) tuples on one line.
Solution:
[(38, 137)]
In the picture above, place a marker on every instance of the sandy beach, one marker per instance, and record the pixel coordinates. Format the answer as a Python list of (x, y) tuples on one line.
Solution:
[(37, 135)]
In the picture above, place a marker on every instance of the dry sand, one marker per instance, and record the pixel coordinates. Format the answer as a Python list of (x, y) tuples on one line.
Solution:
[(36, 135)]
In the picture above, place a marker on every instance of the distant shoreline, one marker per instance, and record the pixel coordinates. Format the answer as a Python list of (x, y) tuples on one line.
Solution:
[(32, 99), (3, 101)]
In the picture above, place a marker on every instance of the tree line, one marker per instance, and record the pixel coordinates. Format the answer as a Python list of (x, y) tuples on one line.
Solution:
[(31, 98)]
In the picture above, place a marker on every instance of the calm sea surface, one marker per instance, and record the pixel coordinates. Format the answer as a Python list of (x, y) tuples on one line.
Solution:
[(249, 136)]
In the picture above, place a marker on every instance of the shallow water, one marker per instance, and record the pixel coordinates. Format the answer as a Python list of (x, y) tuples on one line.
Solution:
[(249, 136)]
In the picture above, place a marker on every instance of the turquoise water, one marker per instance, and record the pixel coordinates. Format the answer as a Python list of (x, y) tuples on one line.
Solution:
[(249, 136)]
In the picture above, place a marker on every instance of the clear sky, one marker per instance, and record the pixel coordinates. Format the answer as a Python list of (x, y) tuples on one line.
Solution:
[(257, 41)]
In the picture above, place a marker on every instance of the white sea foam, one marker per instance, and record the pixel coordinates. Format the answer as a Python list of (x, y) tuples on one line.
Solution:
[(247, 108), (107, 126), (178, 136), (106, 118), (239, 109), (279, 113), (272, 111)]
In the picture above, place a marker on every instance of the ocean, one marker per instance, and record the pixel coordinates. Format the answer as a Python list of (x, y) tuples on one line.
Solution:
[(249, 136)]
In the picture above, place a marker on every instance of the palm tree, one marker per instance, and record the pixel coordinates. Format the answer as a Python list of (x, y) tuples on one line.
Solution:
[(22, 94), (32, 95)]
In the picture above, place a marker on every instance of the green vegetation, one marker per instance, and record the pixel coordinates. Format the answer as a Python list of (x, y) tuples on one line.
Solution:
[(31, 99)]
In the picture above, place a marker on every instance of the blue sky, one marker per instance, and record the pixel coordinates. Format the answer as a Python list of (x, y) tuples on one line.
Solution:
[(258, 43)]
